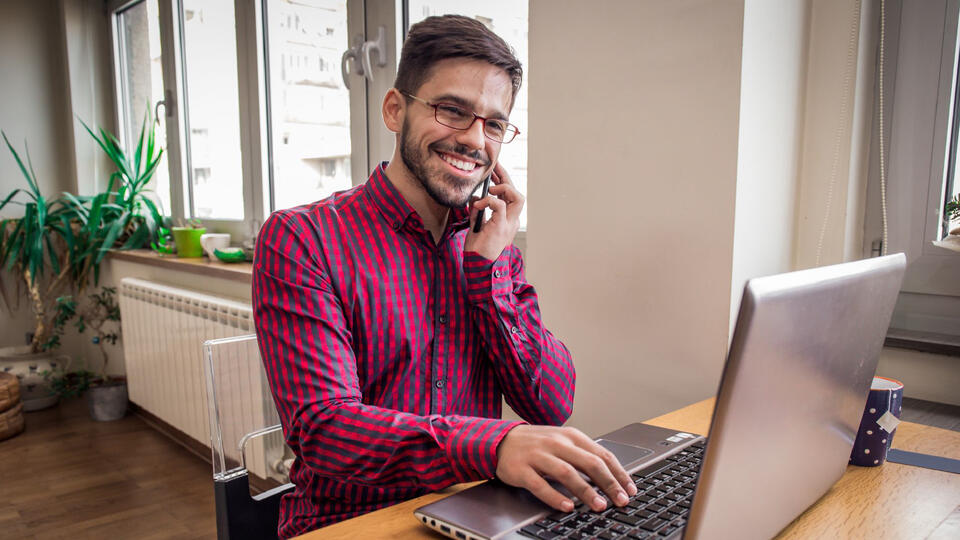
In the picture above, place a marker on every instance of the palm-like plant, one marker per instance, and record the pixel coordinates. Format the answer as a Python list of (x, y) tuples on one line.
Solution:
[(127, 216), (953, 208), (42, 250), (59, 243)]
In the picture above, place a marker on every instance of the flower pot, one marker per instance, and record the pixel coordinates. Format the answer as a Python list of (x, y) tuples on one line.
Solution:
[(187, 241), (107, 403), (28, 367)]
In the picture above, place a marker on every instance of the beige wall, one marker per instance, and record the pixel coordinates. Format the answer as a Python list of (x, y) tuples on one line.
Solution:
[(54, 64), (34, 105), (33, 108), (772, 84), (633, 169)]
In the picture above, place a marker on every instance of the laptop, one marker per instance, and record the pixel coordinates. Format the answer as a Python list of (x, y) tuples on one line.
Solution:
[(797, 375)]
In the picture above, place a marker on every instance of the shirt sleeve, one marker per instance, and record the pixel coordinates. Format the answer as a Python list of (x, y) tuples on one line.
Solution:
[(305, 344), (534, 368)]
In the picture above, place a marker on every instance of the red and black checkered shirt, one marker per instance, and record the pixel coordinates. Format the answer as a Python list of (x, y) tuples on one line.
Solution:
[(388, 352)]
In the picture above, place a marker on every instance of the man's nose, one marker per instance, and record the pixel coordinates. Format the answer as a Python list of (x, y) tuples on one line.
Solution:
[(473, 136)]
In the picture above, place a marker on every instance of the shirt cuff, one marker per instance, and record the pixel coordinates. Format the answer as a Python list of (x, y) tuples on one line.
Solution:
[(486, 278), (473, 450)]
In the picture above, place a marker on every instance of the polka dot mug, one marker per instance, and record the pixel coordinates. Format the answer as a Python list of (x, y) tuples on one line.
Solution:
[(879, 423)]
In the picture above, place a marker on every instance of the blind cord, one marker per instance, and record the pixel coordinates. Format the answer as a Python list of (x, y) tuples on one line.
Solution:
[(883, 162)]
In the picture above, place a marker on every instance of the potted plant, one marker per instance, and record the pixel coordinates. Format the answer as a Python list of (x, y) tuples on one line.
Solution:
[(44, 253), (951, 215), (106, 394), (56, 247)]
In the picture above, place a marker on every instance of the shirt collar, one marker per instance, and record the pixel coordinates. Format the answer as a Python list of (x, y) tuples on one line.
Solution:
[(395, 209)]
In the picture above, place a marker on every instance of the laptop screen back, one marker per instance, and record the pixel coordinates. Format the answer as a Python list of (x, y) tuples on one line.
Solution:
[(804, 351)]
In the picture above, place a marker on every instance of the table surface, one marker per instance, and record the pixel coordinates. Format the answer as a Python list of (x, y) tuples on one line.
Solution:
[(889, 501)]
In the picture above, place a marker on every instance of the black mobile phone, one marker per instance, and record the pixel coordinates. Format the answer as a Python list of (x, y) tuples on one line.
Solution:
[(483, 193)]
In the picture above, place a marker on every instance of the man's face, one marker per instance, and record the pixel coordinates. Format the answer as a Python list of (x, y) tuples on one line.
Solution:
[(450, 163)]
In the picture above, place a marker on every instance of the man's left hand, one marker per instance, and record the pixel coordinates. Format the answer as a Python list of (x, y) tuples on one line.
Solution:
[(498, 231)]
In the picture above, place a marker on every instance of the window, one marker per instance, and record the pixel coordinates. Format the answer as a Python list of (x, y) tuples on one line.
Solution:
[(140, 82), (255, 114), (920, 89)]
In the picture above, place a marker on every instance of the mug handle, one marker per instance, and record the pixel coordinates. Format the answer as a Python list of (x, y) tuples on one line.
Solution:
[(204, 245)]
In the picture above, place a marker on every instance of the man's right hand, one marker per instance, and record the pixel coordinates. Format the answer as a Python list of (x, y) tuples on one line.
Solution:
[(528, 453)]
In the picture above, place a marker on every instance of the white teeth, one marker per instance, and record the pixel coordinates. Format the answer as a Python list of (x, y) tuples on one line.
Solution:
[(462, 165)]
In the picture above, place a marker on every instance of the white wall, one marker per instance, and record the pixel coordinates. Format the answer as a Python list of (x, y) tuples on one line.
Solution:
[(772, 84), (633, 173)]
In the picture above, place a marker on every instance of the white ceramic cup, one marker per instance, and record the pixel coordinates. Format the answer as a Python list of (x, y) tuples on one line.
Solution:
[(214, 241)]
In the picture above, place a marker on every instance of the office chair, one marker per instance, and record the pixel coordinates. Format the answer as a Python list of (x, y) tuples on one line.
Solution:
[(245, 439)]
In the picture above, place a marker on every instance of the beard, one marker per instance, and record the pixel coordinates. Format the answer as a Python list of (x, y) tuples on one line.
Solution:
[(444, 188)]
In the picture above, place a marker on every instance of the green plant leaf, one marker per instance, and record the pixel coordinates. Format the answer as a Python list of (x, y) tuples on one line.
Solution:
[(34, 190)]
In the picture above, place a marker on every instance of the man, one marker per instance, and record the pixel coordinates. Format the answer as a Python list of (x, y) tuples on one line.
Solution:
[(390, 330)]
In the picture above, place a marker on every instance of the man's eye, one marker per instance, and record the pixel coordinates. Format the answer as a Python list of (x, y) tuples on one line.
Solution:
[(496, 126), (452, 111)]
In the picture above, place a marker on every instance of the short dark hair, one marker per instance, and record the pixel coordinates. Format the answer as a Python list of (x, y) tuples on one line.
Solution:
[(452, 36)]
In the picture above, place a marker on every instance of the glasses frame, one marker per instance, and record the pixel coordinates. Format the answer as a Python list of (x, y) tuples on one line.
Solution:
[(436, 106)]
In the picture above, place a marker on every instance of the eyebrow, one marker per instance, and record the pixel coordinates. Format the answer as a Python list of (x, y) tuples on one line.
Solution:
[(457, 100)]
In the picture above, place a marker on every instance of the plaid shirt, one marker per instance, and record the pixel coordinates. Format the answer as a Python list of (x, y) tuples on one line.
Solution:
[(388, 352)]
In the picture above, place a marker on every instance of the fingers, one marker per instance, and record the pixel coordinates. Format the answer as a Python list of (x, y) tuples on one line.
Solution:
[(599, 472), (567, 474), (611, 464), (541, 489), (500, 175), (498, 206)]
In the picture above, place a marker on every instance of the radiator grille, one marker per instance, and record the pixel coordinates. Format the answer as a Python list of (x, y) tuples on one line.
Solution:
[(164, 329)]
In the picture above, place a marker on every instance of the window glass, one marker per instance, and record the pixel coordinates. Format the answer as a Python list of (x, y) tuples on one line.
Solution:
[(508, 18), (309, 104), (213, 134), (141, 79)]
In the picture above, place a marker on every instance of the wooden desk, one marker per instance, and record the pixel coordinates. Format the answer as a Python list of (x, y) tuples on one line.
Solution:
[(890, 501)]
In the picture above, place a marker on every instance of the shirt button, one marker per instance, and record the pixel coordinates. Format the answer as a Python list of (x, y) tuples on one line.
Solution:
[(514, 330), (496, 273), (443, 319), (439, 383), (396, 225)]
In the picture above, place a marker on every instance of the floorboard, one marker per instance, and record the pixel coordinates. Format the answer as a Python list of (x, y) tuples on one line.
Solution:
[(67, 476)]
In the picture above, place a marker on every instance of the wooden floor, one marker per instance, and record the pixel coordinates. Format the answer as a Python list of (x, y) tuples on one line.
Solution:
[(67, 476)]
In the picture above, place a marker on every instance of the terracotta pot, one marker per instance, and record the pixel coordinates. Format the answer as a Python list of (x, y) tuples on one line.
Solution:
[(34, 391)]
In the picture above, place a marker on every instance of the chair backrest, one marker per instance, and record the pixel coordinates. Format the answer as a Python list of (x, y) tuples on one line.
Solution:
[(245, 440)]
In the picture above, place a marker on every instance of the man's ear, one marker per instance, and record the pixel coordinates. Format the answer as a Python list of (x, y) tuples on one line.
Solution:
[(393, 110)]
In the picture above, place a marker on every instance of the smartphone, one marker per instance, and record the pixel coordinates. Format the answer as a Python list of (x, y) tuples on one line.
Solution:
[(480, 215)]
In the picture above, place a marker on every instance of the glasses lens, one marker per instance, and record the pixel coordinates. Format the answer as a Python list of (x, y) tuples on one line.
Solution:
[(453, 116)]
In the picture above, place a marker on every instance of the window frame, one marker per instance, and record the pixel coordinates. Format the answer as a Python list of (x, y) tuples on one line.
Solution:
[(371, 143), (920, 86)]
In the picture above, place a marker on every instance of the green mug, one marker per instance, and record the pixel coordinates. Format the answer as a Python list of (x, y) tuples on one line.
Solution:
[(187, 241)]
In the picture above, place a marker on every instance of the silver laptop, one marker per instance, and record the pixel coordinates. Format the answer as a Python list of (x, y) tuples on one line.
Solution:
[(803, 354)]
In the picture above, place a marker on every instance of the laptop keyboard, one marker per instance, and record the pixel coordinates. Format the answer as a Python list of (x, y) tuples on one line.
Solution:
[(660, 507)]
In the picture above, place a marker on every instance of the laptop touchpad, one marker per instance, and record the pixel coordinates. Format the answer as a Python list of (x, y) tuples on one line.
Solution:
[(626, 454)]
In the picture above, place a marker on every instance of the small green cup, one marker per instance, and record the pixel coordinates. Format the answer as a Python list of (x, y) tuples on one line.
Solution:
[(187, 241)]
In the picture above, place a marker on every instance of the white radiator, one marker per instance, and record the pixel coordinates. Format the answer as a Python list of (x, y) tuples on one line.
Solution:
[(164, 329)]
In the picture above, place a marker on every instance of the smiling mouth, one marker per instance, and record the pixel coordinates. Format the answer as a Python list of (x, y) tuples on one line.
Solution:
[(459, 164)]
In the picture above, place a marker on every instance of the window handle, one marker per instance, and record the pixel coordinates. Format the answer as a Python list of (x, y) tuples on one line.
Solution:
[(167, 99), (380, 46), (353, 53), (360, 53)]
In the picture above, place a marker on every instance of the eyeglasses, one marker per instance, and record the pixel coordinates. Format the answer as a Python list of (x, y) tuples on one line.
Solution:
[(456, 117)]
